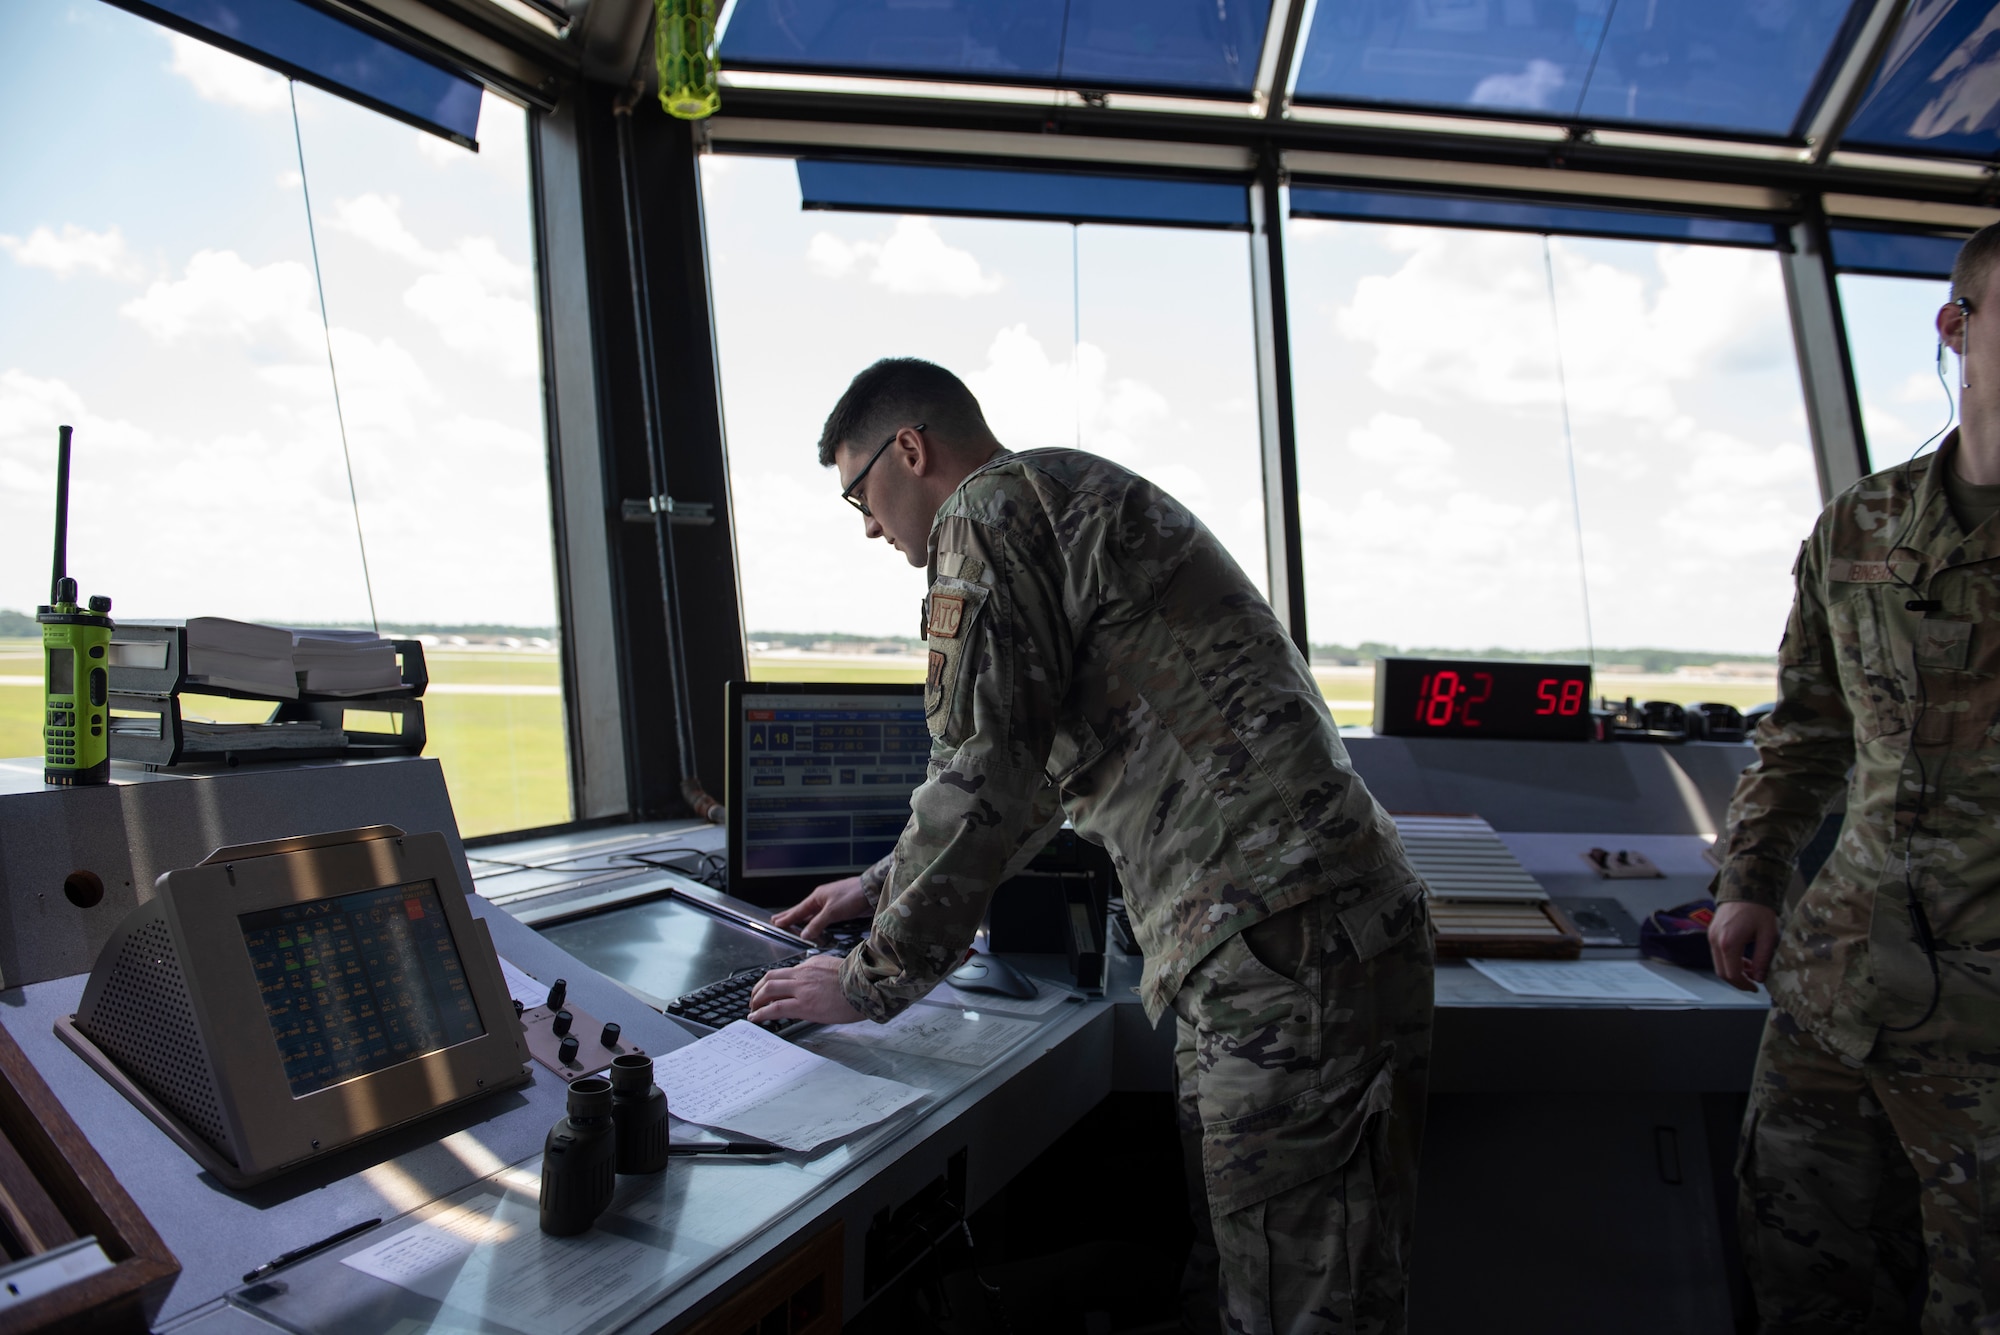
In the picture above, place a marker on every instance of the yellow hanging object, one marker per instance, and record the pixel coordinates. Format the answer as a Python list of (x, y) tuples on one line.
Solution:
[(684, 51)]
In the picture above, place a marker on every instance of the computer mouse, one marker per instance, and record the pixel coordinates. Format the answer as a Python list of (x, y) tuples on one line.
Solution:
[(984, 973)]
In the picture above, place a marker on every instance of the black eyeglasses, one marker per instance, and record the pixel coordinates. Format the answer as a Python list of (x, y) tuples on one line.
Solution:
[(847, 493)]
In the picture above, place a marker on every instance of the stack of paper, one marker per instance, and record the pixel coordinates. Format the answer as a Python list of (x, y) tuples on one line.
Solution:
[(747, 1080), (270, 660), (240, 656), (344, 662)]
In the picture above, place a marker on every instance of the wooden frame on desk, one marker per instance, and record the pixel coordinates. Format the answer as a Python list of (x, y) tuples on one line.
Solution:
[(54, 1188)]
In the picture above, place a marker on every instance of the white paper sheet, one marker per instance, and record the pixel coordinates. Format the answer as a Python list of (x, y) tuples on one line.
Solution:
[(1584, 980), (523, 988), (750, 1081), (971, 1038), (1047, 997), (490, 1258)]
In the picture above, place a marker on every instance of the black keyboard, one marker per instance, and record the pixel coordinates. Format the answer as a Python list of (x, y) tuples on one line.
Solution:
[(723, 1003)]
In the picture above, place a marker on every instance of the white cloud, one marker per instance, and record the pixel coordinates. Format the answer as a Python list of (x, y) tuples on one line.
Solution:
[(1533, 89), (1418, 457), (218, 76), (476, 298), (1033, 400), (913, 260), (222, 295), (1467, 316), (73, 249)]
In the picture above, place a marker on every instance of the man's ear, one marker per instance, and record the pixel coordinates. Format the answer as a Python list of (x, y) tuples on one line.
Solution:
[(1951, 326), (915, 449)]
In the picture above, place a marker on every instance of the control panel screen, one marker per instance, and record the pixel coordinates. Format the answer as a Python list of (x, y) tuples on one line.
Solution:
[(359, 983), (62, 672), (826, 779), (1433, 697)]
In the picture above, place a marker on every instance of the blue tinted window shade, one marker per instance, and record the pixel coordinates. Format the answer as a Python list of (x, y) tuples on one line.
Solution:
[(1172, 45), (1505, 216), (1894, 254), (1737, 66), (304, 43), (1935, 90), (874, 187)]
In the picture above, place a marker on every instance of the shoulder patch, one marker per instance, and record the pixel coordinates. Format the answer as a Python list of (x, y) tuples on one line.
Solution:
[(947, 612)]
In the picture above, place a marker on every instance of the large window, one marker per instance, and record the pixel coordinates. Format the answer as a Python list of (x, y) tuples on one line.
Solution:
[(158, 283), (1130, 342), (1907, 395), (1557, 448)]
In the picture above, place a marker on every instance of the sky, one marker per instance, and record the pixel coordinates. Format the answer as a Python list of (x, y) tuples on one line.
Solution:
[(157, 293)]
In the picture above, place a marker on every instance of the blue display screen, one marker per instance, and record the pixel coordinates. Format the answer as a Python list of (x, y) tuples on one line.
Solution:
[(827, 779)]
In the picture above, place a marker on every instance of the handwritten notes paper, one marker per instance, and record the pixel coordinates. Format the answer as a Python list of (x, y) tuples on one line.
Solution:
[(751, 1082)]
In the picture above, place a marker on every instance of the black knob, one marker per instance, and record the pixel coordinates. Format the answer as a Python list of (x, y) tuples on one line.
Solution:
[(609, 1038), (99, 604), (567, 1052), (558, 993), (561, 1023)]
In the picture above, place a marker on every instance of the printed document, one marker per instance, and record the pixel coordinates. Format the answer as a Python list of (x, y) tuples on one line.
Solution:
[(968, 1038), (490, 1257), (751, 1082), (1583, 980)]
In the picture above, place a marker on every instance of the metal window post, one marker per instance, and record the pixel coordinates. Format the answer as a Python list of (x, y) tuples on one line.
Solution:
[(1826, 371), (1268, 207)]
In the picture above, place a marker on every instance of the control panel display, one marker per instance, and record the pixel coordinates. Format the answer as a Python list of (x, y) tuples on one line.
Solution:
[(359, 983), (826, 779), (1431, 697)]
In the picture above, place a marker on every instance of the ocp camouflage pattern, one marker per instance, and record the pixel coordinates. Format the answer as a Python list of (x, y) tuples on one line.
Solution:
[(1094, 651), (1888, 690), (1858, 1179), (1303, 1057)]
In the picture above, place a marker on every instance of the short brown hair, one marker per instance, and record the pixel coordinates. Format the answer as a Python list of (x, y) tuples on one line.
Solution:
[(1973, 268), (897, 392)]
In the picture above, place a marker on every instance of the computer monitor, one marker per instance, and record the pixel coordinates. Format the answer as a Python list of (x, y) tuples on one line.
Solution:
[(281, 1001), (819, 781)]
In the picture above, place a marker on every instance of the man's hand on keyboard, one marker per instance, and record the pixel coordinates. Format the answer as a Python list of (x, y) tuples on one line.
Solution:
[(836, 901), (808, 991)]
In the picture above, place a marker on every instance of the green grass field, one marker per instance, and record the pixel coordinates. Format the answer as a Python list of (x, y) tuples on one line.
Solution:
[(502, 754), (503, 751)]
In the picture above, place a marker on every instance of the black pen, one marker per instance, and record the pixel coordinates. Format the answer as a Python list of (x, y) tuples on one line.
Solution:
[(725, 1147), (301, 1253)]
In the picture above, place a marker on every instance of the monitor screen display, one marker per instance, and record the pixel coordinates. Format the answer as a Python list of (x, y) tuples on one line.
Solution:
[(826, 778), (359, 983)]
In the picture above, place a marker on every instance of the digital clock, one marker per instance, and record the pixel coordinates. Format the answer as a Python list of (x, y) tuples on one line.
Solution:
[(1438, 697)]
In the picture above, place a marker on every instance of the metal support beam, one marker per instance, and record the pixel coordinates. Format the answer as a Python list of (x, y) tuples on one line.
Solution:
[(586, 583), (1268, 210), (1277, 63), (1819, 334), (631, 698)]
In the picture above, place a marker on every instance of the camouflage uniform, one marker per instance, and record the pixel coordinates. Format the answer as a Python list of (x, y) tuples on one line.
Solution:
[(1860, 1138), (1094, 652)]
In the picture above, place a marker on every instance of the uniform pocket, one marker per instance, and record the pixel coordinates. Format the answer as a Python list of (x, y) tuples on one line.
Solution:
[(1247, 1160), (1871, 659), (1384, 918), (1989, 1184)]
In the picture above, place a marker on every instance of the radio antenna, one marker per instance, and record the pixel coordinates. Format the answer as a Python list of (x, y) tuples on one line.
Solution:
[(62, 515)]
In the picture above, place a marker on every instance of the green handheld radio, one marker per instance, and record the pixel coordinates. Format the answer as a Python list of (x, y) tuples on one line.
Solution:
[(76, 654)]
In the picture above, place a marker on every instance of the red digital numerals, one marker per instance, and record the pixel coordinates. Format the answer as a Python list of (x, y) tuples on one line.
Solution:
[(1446, 698), (1561, 698)]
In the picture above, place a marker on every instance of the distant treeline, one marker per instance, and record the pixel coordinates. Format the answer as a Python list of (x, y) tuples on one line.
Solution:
[(1645, 660)]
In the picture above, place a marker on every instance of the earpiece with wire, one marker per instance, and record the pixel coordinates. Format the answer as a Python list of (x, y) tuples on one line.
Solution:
[(1920, 925)]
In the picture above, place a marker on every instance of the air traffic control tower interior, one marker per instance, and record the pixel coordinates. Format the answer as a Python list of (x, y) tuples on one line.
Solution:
[(433, 389)]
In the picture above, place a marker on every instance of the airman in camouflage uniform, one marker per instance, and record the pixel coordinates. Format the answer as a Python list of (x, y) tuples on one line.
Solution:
[(1094, 652), (1873, 1136)]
